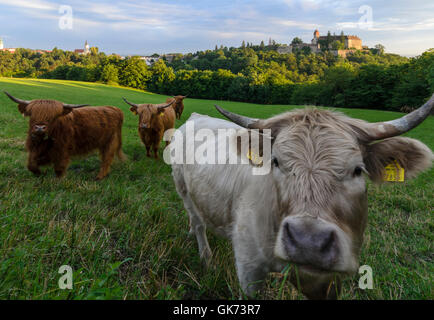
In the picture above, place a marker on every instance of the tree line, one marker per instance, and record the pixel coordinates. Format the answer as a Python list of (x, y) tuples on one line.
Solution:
[(250, 73)]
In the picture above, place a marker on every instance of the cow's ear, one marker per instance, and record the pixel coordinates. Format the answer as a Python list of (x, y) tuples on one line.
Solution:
[(134, 110), (411, 155), (254, 146), (22, 108)]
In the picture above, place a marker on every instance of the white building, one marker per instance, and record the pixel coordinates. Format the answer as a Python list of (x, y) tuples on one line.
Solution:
[(1, 43), (149, 60)]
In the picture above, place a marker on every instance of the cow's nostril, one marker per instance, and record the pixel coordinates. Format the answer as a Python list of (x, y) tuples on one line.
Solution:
[(291, 235), (328, 242)]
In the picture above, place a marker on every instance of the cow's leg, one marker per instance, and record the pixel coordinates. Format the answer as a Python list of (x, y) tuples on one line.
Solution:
[(198, 228), (148, 152), (251, 268), (60, 166), (107, 154), (155, 148), (197, 225), (32, 164)]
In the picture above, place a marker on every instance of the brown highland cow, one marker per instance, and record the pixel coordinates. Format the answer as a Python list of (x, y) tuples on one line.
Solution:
[(154, 120), (179, 105), (58, 131)]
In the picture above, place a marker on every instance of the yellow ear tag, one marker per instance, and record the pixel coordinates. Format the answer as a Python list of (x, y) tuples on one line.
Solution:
[(254, 157), (161, 114), (393, 172)]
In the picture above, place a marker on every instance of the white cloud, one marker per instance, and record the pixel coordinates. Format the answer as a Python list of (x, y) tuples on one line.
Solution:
[(30, 4), (392, 25)]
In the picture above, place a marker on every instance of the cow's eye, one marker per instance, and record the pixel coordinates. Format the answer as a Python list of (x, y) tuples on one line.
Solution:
[(358, 171), (275, 162)]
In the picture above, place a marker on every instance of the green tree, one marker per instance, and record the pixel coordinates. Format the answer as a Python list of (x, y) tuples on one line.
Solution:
[(109, 74), (134, 73), (296, 41)]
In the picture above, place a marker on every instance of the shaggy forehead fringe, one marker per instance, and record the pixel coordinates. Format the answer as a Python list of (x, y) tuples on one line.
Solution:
[(313, 117), (45, 109), (313, 147)]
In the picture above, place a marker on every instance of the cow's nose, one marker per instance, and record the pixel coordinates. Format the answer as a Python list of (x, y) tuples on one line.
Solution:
[(143, 126), (307, 243), (40, 128)]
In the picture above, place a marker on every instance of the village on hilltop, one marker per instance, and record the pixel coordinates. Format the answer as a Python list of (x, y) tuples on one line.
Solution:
[(339, 45)]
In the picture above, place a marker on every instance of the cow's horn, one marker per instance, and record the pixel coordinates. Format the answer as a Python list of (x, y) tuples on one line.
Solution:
[(382, 130), (19, 101), (167, 105), (130, 103), (236, 118), (74, 106)]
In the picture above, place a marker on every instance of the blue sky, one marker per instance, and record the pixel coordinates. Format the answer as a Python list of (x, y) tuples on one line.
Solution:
[(148, 26)]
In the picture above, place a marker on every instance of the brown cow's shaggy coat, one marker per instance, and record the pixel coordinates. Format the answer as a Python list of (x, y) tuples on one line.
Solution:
[(71, 132), (154, 120), (179, 105)]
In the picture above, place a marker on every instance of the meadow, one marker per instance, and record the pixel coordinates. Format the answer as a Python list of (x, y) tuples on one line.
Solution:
[(126, 237)]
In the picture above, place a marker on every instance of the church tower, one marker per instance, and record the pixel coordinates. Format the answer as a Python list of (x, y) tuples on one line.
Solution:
[(1, 43), (86, 48)]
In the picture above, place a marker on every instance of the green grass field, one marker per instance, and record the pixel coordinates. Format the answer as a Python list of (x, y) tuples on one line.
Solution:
[(126, 237)]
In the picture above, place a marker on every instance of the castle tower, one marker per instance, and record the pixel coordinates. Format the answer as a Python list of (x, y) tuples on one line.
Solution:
[(315, 37), (86, 48), (1, 43)]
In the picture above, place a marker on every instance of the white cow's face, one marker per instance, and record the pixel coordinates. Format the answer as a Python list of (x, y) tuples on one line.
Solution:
[(318, 172), (319, 158)]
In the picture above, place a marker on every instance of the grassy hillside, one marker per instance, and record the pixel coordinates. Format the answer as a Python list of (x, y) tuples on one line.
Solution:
[(126, 237)]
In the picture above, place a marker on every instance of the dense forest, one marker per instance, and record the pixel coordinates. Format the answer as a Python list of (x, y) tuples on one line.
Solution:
[(365, 79)]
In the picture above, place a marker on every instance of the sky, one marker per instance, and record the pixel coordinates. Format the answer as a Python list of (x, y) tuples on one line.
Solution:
[(170, 26)]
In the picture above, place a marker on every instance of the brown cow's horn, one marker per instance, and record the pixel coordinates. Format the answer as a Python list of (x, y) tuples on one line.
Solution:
[(74, 106), (167, 105), (236, 118), (19, 101), (130, 103), (382, 130)]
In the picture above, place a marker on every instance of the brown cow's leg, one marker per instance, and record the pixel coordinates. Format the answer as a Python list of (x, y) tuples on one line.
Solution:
[(107, 155), (148, 152), (120, 154), (60, 167), (32, 164), (155, 152)]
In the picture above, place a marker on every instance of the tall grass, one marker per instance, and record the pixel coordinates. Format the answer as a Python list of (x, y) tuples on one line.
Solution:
[(126, 237)]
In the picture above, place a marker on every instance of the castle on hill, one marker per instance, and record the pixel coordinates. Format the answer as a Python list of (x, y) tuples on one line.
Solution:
[(350, 44)]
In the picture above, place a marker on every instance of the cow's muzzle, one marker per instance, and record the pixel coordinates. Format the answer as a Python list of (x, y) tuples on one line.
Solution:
[(143, 126), (39, 130), (311, 244)]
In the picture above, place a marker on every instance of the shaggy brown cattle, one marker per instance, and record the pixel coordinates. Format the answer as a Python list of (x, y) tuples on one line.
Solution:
[(154, 120), (179, 105), (58, 131)]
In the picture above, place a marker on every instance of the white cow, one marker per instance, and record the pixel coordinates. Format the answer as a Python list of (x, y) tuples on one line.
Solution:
[(311, 208)]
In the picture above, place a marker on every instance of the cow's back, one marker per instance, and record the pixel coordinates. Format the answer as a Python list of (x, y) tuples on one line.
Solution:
[(169, 118), (93, 127), (214, 188)]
